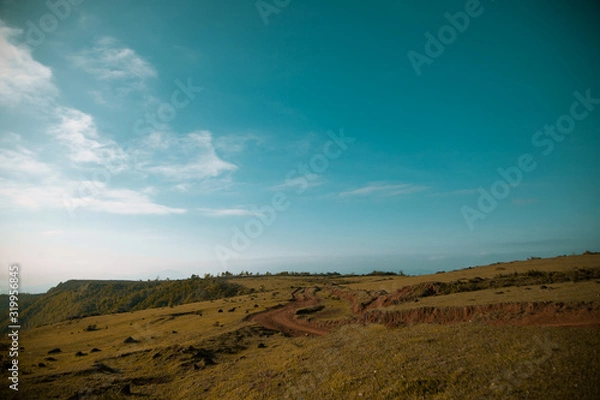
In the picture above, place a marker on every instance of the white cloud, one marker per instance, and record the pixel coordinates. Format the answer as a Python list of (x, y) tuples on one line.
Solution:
[(229, 212), (22, 79), (121, 201), (30, 184), (21, 161), (107, 60), (162, 154), (233, 144), (72, 196), (382, 189), (78, 132), (303, 182)]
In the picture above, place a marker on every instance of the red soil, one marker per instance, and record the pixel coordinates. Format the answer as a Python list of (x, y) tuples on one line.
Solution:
[(366, 308), (538, 314), (283, 318)]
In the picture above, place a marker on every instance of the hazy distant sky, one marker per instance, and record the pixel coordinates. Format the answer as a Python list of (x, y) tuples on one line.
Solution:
[(135, 135)]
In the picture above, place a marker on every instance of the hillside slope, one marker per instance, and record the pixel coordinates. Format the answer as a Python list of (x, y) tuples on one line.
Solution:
[(79, 298)]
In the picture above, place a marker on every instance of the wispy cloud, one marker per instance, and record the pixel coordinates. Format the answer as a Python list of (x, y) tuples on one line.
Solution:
[(229, 212), (28, 183), (303, 182), (20, 161), (381, 189), (108, 60), (122, 201), (82, 195), (22, 79), (79, 134), (162, 154), (233, 144)]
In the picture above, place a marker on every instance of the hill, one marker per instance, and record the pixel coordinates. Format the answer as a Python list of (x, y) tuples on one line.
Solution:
[(523, 329), (81, 298)]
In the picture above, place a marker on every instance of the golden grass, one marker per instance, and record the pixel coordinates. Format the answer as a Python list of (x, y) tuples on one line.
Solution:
[(391, 283), (468, 360), (564, 291)]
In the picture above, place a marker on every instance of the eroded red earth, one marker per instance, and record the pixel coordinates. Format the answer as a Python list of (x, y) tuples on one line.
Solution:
[(366, 310)]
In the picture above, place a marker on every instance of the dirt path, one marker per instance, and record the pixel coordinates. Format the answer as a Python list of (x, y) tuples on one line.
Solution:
[(284, 319)]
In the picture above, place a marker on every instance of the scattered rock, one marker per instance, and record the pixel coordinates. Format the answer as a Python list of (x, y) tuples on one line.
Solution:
[(174, 331), (131, 340), (231, 309), (50, 359), (261, 346), (208, 361), (41, 365), (95, 350), (126, 390), (54, 351), (104, 368), (80, 354), (543, 287), (155, 356), (220, 310)]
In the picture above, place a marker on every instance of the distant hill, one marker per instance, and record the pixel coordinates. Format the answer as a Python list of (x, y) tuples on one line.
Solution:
[(25, 301), (81, 298)]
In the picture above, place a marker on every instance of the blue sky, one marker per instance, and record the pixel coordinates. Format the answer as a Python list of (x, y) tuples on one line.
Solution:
[(147, 138)]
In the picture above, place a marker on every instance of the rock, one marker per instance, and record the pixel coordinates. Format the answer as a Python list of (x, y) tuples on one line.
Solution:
[(126, 390), (104, 368)]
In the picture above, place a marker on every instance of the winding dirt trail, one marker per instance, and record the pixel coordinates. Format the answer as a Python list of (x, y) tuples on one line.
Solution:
[(284, 319)]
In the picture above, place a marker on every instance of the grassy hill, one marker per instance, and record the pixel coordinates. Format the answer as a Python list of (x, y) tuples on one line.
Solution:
[(81, 298), (524, 329)]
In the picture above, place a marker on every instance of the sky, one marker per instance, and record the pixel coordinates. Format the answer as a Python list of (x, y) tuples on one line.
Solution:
[(151, 138)]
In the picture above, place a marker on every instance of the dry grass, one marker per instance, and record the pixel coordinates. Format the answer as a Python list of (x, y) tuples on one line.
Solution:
[(469, 360), (389, 284), (569, 291)]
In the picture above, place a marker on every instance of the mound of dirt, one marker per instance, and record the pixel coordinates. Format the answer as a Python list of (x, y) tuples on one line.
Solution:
[(538, 313)]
